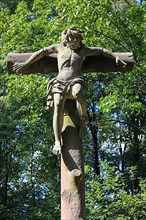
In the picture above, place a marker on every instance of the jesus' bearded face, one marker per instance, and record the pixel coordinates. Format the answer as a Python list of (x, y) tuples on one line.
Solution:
[(71, 38)]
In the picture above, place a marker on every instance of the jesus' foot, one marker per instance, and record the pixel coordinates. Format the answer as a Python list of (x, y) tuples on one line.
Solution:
[(57, 148)]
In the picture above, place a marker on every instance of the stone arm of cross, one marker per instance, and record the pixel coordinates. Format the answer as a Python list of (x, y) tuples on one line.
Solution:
[(19, 67), (93, 51)]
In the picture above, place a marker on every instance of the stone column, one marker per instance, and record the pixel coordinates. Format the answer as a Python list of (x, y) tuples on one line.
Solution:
[(72, 167)]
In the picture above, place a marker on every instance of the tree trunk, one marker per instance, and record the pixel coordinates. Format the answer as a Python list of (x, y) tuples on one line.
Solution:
[(72, 167), (94, 129)]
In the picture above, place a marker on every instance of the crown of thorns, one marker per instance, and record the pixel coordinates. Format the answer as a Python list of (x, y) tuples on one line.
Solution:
[(72, 32)]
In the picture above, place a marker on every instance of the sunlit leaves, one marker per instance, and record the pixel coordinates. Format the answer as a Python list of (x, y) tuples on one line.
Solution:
[(116, 103), (107, 197)]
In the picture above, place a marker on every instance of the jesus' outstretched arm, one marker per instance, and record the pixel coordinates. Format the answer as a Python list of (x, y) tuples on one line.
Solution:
[(93, 51), (18, 67)]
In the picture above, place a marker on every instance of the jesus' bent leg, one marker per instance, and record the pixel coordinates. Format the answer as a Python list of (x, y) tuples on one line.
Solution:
[(78, 94), (58, 121)]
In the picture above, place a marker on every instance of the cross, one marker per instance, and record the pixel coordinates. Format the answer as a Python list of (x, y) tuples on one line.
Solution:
[(65, 94)]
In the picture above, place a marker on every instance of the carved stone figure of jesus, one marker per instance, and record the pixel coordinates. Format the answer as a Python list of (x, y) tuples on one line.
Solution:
[(69, 83)]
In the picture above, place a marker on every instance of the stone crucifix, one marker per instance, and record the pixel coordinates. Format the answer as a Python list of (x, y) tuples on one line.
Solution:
[(65, 93)]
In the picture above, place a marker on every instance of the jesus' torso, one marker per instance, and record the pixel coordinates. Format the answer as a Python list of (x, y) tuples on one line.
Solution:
[(69, 62)]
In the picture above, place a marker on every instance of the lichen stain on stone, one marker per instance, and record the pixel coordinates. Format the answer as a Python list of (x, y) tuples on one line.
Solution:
[(72, 199), (76, 209), (66, 194), (72, 181), (76, 204)]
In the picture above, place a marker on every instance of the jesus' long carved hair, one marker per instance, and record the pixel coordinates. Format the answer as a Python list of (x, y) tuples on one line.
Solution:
[(71, 33)]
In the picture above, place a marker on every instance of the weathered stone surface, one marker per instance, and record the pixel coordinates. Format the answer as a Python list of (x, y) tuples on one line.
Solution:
[(72, 168)]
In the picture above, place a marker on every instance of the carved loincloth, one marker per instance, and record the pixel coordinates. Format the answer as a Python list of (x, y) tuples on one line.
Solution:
[(62, 87)]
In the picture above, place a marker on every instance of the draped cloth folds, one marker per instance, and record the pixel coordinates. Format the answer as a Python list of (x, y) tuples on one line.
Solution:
[(62, 87)]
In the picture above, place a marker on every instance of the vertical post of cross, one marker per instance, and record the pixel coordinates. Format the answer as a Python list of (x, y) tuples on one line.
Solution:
[(72, 167)]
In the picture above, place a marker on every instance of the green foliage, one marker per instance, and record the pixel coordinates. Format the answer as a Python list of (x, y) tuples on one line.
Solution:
[(107, 197), (30, 177), (27, 165)]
